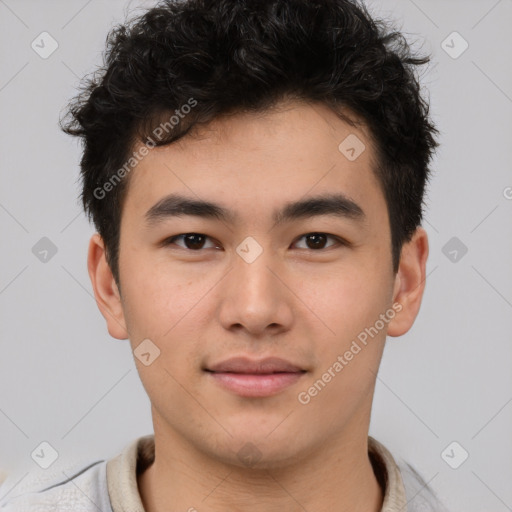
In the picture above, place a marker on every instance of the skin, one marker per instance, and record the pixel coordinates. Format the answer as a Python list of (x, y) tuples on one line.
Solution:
[(303, 304)]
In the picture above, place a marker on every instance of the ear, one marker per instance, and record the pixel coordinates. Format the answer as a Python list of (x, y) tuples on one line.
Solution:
[(105, 288), (409, 283)]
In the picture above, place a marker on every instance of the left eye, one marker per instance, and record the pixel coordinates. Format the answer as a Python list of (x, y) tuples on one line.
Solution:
[(317, 240), (196, 241)]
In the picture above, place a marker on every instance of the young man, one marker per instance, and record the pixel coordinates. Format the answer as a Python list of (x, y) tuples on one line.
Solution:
[(255, 172)]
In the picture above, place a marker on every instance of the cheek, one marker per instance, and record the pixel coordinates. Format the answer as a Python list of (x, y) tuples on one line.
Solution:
[(165, 305), (350, 306), (346, 300), (349, 356)]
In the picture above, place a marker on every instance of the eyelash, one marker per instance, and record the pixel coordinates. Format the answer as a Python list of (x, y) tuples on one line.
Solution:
[(340, 241)]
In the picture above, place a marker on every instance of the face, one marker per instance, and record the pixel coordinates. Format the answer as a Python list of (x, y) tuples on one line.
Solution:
[(254, 275)]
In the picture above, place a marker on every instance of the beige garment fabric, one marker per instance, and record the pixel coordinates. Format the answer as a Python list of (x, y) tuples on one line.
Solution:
[(125, 497), (3, 475)]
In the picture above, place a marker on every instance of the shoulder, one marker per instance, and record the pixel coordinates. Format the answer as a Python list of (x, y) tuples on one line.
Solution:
[(405, 488), (420, 496), (81, 487)]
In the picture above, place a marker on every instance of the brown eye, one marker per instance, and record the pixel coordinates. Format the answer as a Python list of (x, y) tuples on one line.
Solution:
[(191, 241), (316, 241), (196, 241)]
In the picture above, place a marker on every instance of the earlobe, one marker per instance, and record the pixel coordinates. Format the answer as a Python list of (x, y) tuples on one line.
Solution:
[(409, 283), (105, 288)]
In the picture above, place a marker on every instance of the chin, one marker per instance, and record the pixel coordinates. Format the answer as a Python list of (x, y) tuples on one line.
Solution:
[(257, 450)]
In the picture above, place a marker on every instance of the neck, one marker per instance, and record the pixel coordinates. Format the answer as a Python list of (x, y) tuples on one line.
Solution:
[(335, 476)]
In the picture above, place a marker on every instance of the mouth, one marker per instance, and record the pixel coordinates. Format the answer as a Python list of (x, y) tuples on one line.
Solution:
[(255, 378)]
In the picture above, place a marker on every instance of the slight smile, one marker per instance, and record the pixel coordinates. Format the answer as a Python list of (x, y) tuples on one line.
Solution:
[(255, 378)]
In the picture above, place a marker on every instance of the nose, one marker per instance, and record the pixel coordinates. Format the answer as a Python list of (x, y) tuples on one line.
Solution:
[(255, 298)]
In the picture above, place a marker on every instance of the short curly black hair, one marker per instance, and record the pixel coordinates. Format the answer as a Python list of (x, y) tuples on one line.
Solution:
[(224, 56)]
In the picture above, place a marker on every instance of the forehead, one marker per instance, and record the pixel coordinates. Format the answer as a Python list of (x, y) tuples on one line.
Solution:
[(248, 161)]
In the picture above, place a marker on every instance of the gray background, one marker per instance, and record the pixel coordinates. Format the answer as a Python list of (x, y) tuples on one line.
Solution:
[(65, 381)]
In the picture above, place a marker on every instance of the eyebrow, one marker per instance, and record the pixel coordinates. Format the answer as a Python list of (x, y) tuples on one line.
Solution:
[(175, 205)]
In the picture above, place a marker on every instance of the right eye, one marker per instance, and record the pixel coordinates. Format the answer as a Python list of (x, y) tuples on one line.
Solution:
[(192, 241)]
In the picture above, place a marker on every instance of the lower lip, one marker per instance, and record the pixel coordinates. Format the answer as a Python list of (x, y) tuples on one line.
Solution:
[(254, 385)]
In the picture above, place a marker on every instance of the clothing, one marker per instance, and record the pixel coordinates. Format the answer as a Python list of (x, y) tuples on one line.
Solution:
[(111, 485)]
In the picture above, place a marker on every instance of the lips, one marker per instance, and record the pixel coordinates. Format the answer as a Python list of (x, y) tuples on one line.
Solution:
[(255, 367), (255, 378)]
